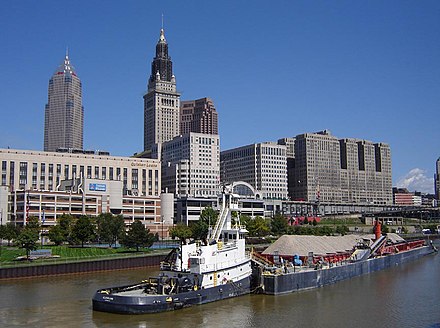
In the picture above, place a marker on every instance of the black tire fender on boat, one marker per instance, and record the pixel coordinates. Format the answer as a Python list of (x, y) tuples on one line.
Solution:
[(178, 305)]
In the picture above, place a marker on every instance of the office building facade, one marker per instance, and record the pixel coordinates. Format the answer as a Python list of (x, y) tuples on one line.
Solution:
[(262, 165), (317, 167), (328, 169), (38, 170), (64, 112), (162, 101), (199, 116), (191, 165), (365, 172)]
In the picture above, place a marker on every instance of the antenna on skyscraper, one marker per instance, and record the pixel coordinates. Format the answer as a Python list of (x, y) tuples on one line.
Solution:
[(162, 21)]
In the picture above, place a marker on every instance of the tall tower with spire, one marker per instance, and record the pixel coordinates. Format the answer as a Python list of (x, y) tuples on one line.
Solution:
[(162, 101), (64, 112)]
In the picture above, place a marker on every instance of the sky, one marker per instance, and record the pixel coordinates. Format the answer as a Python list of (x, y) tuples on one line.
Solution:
[(274, 69)]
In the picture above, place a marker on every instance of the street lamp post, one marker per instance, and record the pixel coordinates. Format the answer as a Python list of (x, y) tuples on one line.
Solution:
[(163, 220), (1, 228), (43, 219)]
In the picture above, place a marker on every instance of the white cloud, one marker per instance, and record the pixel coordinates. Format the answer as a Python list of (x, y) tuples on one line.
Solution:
[(416, 180)]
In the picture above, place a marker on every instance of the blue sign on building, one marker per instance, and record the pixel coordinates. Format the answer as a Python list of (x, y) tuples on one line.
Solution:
[(97, 187)]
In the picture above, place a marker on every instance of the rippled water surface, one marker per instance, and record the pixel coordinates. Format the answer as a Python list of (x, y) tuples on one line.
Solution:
[(405, 296)]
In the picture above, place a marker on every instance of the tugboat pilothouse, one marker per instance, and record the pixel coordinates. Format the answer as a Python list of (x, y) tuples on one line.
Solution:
[(196, 273)]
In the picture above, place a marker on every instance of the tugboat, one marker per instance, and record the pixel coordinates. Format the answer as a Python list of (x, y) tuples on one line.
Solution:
[(196, 273)]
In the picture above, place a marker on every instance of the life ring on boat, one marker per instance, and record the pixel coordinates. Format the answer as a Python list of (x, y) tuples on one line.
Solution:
[(195, 288)]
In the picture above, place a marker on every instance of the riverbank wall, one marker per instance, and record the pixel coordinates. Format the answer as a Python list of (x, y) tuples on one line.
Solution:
[(33, 270)]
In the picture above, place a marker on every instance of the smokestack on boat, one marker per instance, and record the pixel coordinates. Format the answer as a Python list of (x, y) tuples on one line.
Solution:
[(377, 229)]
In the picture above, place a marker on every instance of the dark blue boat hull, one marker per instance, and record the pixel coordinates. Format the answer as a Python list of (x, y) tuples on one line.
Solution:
[(159, 303)]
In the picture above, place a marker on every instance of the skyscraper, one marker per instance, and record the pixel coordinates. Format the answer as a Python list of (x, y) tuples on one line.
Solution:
[(64, 112), (162, 101), (198, 116)]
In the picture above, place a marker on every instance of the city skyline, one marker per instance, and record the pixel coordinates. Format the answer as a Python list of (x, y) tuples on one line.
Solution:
[(361, 70)]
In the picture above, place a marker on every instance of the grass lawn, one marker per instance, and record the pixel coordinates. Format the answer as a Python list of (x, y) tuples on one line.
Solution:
[(9, 254)]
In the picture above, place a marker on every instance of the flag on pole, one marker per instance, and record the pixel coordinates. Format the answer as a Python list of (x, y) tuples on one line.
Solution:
[(27, 205)]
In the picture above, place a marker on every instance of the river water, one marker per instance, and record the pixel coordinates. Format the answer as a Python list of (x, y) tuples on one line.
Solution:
[(404, 296)]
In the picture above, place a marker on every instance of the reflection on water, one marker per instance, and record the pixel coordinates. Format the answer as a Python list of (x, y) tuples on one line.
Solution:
[(406, 296)]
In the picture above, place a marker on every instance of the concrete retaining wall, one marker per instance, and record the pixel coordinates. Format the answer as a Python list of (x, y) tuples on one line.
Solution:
[(78, 267)]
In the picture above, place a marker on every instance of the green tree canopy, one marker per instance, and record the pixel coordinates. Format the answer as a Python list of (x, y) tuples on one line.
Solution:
[(27, 239), (9, 231), (342, 229), (83, 230), (110, 228), (138, 236), (278, 225), (209, 216), (257, 227), (182, 232), (56, 235), (66, 222), (33, 223), (200, 230), (245, 219)]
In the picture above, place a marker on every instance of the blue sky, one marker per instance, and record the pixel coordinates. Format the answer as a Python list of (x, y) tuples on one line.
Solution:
[(362, 69)]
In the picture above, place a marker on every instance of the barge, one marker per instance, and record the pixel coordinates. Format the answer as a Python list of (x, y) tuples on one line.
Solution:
[(313, 271)]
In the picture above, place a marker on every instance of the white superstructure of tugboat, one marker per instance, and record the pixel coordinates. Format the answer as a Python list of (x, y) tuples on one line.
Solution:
[(197, 273)]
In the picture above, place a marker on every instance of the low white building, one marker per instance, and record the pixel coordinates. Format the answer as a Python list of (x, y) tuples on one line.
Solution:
[(39, 170), (48, 184)]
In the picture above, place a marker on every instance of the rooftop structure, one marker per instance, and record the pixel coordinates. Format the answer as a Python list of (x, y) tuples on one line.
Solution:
[(198, 116)]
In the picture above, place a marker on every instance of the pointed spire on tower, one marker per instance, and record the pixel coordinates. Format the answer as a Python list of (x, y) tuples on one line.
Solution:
[(162, 61), (162, 34), (65, 67)]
